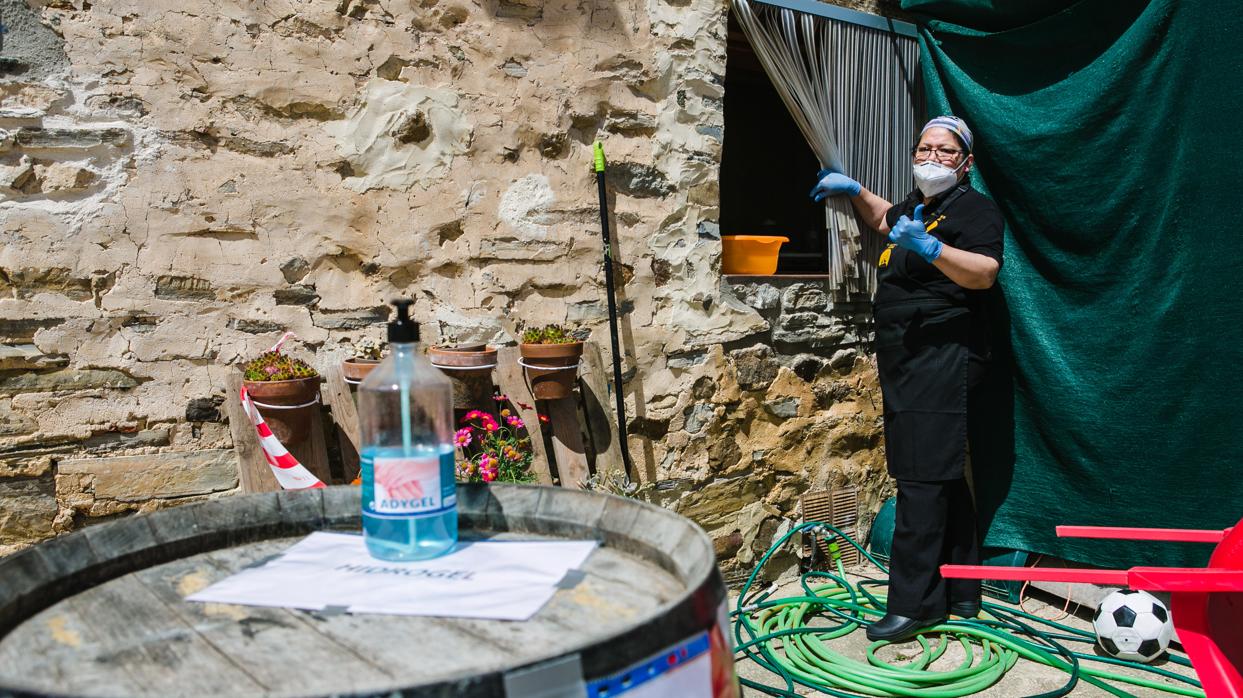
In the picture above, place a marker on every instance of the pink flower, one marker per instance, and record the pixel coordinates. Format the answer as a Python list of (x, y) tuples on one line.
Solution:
[(465, 469), (471, 415), (487, 421), (515, 422), (462, 437), (487, 467)]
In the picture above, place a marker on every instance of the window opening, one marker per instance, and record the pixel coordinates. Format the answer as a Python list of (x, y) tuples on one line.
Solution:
[(767, 168)]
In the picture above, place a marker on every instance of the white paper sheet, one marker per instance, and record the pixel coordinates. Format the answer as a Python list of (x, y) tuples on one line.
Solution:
[(502, 580)]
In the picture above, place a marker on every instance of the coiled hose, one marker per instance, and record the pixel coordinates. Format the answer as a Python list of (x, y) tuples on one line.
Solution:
[(792, 638)]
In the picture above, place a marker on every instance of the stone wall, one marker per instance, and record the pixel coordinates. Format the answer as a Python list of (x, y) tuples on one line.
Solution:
[(180, 182), (769, 417)]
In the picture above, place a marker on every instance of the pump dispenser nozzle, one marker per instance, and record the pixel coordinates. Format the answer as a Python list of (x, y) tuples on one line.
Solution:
[(403, 330)]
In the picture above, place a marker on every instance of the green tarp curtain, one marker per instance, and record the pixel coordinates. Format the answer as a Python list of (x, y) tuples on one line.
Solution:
[(1108, 132)]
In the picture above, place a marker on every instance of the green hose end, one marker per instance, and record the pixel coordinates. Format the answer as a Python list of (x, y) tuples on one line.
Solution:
[(598, 150)]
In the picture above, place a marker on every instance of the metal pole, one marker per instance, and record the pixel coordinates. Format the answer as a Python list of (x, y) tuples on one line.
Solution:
[(598, 150)]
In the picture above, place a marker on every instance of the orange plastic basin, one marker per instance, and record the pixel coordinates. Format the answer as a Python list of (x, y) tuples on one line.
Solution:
[(750, 254)]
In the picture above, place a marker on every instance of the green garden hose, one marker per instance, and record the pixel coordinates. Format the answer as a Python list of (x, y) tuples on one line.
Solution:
[(792, 638)]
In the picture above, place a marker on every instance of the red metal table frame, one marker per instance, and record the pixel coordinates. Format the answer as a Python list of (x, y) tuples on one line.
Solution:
[(1206, 603)]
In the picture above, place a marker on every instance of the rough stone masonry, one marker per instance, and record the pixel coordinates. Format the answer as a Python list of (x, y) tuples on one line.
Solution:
[(180, 182)]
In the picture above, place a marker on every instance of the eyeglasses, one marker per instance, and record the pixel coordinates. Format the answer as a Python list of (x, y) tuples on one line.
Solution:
[(925, 152)]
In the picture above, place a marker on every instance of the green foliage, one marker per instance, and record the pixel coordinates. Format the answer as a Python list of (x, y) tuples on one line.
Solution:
[(494, 450), (547, 334), (275, 366)]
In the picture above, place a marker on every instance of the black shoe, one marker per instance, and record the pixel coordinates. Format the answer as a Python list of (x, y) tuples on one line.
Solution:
[(965, 609), (893, 627)]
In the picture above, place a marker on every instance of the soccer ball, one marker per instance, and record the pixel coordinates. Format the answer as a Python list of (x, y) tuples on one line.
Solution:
[(1133, 625)]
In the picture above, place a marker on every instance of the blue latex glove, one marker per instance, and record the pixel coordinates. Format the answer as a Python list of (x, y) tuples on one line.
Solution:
[(910, 233), (833, 183)]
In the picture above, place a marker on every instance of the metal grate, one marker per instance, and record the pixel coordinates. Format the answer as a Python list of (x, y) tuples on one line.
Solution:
[(839, 507)]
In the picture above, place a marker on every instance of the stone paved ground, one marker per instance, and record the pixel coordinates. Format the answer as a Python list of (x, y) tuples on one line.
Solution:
[(1025, 679)]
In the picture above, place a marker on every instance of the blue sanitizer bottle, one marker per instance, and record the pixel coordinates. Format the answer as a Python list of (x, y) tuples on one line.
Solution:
[(405, 414)]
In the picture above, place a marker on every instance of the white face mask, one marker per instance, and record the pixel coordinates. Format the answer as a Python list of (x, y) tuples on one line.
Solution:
[(933, 178)]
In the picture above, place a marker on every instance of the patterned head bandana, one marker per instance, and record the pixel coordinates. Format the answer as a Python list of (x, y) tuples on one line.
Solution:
[(953, 124)]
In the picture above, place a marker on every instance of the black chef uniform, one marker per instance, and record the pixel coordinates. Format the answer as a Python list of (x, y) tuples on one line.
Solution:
[(932, 349)]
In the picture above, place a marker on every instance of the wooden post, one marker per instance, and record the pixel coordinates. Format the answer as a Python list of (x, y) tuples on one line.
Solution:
[(313, 453), (598, 410), (512, 382), (340, 400), (567, 442), (253, 471)]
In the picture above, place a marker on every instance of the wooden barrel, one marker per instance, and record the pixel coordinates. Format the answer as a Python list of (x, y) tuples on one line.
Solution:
[(101, 612)]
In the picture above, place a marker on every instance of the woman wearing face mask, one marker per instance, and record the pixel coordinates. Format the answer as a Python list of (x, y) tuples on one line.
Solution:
[(932, 349)]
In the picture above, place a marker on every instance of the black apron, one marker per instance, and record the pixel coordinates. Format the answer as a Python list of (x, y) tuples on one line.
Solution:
[(922, 357)]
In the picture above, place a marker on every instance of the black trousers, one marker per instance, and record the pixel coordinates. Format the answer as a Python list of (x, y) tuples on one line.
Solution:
[(935, 524)]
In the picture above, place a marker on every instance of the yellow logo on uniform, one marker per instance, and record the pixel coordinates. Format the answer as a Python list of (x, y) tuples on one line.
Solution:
[(884, 256)]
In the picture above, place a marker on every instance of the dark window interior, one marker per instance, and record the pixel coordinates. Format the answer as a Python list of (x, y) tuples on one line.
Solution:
[(767, 168)]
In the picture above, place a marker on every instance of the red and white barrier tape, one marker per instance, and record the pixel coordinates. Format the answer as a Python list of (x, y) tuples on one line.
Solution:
[(291, 474), (281, 342), (288, 471)]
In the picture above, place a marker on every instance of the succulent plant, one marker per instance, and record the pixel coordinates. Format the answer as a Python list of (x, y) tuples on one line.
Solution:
[(618, 483), (547, 334), (368, 349), (275, 366)]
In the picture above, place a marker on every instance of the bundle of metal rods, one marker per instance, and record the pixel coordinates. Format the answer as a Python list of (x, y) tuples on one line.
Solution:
[(856, 95)]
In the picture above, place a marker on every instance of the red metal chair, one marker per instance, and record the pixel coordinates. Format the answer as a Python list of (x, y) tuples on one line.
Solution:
[(1206, 604)]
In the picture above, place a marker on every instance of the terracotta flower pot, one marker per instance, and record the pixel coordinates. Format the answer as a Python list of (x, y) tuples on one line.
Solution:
[(469, 366), (552, 383), (357, 369), (463, 358), (295, 404)]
